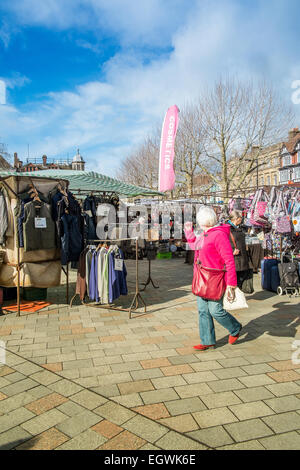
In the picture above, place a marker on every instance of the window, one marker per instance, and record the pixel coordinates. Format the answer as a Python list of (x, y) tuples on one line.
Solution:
[(296, 174), (286, 160), (275, 180), (269, 180), (284, 176), (261, 180)]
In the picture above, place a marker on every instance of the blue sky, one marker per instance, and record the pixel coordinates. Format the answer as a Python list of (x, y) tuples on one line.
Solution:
[(100, 74)]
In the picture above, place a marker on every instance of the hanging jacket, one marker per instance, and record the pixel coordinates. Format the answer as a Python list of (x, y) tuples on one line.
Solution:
[(241, 260), (71, 239), (117, 279), (213, 250), (3, 218), (38, 238)]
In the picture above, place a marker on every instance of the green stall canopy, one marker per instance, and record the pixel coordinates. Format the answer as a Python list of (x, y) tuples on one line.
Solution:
[(86, 181)]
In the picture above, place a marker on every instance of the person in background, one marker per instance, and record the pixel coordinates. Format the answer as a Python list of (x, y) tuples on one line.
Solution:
[(238, 244), (213, 250)]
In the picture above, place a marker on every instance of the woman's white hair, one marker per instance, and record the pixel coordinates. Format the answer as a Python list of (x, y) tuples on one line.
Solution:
[(206, 217)]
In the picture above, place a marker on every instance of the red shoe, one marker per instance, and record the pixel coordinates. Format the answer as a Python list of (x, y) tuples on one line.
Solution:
[(233, 339), (201, 347)]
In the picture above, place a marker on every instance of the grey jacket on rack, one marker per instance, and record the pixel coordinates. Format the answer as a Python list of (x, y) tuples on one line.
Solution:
[(35, 238)]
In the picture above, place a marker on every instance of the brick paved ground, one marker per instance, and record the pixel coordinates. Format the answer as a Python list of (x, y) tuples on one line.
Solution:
[(90, 378)]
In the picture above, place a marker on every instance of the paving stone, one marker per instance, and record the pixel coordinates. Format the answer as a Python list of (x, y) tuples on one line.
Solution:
[(27, 368), (254, 409), (215, 417), (65, 387), (283, 422), (126, 367), (45, 377), (88, 399), (4, 382), (88, 440), (44, 421), (248, 445), (281, 389), (19, 387), (175, 441), (146, 374), (226, 385), (229, 372), (107, 429), (13, 437), (145, 428), (115, 413), (109, 390), (284, 365), (233, 362), (14, 418), (135, 387), (248, 430), (185, 405), (155, 363), (284, 375), (181, 423), (217, 400), (83, 363), (194, 390), (286, 441), (71, 409), (212, 437), (46, 403), (48, 440), (15, 377), (124, 441), (72, 426), (38, 392), (253, 394), (116, 378), (185, 359), (158, 396), (155, 411), (256, 380), (5, 370), (282, 404), (129, 401), (167, 382), (206, 365)]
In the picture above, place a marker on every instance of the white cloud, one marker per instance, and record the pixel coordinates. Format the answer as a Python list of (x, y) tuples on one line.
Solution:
[(105, 119)]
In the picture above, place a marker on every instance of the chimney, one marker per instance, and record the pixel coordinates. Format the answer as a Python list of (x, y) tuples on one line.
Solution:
[(293, 133), (44, 160), (16, 160)]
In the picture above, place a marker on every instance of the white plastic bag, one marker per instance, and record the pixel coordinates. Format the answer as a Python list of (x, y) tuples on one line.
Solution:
[(238, 303)]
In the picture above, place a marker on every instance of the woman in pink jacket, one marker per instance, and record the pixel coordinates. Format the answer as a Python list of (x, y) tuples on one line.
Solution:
[(213, 250)]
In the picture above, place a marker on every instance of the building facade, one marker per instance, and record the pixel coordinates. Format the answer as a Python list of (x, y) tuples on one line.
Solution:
[(43, 163), (290, 159)]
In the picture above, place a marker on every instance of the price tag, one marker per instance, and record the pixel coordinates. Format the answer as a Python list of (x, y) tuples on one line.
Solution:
[(118, 264), (40, 222)]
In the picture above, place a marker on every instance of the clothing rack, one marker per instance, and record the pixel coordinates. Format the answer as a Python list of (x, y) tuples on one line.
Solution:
[(137, 294), (19, 264)]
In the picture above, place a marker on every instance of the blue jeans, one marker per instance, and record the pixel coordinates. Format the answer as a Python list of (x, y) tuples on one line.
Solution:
[(213, 309)]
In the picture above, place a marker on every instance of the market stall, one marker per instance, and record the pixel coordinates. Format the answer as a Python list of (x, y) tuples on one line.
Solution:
[(48, 226)]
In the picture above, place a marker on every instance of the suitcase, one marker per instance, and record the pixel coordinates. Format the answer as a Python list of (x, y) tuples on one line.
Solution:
[(266, 273), (275, 278)]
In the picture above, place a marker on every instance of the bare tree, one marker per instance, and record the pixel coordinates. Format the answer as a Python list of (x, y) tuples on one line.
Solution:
[(237, 118), (141, 166)]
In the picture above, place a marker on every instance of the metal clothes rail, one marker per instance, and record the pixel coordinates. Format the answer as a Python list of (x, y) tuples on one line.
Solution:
[(137, 295)]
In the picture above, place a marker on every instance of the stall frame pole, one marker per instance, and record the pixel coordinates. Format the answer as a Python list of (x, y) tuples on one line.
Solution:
[(137, 294)]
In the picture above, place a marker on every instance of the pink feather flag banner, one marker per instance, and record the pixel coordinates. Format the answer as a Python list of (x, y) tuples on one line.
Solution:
[(166, 180)]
